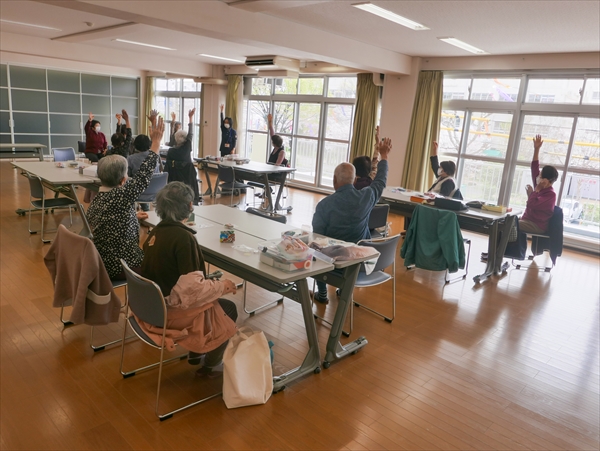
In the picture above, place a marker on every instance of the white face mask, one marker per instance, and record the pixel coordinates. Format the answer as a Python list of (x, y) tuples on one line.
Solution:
[(97, 129), (226, 125), (439, 172), (538, 179)]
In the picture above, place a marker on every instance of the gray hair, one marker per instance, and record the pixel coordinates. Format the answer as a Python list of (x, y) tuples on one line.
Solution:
[(111, 170), (173, 201), (345, 173), (180, 136)]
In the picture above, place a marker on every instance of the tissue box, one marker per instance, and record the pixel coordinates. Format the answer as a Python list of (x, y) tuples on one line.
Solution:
[(283, 264), (496, 208), (91, 171)]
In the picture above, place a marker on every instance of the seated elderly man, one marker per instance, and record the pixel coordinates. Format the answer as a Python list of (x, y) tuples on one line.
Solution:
[(171, 251), (111, 215), (344, 215)]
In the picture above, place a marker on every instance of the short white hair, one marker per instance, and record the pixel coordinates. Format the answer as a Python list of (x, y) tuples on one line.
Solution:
[(112, 169), (180, 137), (345, 173)]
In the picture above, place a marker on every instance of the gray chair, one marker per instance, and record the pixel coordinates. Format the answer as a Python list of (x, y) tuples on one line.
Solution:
[(387, 257), (378, 219), (81, 146), (273, 217), (228, 183), (146, 302), (157, 183), (64, 154), (38, 201)]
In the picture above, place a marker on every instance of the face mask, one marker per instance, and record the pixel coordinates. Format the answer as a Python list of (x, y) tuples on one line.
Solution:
[(538, 179), (439, 172), (97, 129), (226, 125)]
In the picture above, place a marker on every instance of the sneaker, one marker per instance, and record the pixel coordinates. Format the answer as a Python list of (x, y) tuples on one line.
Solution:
[(322, 300)]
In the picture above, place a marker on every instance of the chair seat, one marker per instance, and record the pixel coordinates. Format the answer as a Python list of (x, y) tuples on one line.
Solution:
[(53, 203), (140, 333), (375, 278)]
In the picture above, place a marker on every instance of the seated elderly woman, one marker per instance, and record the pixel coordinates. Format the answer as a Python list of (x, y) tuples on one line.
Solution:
[(171, 251), (363, 172), (444, 184), (111, 215)]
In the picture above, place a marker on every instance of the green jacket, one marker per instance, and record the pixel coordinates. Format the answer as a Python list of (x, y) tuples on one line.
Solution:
[(434, 241)]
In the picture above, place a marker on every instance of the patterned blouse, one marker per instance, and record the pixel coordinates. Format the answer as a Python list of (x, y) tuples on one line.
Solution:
[(114, 224)]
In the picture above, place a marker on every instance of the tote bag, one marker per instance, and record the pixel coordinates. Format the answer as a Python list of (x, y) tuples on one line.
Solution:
[(247, 372)]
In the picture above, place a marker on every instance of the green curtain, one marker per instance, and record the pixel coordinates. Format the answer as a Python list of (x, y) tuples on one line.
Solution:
[(365, 117), (424, 128), (231, 102), (149, 102)]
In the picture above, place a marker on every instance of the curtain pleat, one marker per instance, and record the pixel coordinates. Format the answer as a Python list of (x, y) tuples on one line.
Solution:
[(149, 102), (365, 117)]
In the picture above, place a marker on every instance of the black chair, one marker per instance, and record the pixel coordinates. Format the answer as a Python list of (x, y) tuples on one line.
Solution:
[(378, 219), (226, 182), (81, 146), (147, 303), (551, 241)]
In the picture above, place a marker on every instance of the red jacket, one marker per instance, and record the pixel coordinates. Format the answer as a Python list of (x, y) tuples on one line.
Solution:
[(540, 204), (94, 142)]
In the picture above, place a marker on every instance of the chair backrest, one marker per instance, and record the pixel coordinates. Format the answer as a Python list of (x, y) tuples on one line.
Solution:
[(35, 186), (157, 182), (81, 146), (379, 216), (145, 298), (386, 248), (266, 214), (64, 154), (226, 174)]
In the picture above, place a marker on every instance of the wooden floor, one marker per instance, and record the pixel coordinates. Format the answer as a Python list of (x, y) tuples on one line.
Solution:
[(510, 364)]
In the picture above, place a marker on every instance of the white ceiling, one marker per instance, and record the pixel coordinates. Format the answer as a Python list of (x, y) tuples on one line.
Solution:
[(326, 30)]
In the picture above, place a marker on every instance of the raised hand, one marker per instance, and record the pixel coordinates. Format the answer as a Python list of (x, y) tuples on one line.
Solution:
[(156, 134), (125, 115), (270, 118), (384, 147), (152, 117), (376, 136), (434, 149), (537, 142), (222, 107), (191, 113), (118, 116), (91, 116), (173, 116)]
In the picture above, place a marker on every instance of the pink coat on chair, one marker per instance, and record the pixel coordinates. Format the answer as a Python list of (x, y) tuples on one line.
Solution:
[(195, 319), (80, 279)]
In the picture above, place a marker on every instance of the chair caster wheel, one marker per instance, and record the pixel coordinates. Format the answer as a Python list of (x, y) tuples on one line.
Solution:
[(354, 352), (326, 364), (317, 370), (345, 334), (277, 391)]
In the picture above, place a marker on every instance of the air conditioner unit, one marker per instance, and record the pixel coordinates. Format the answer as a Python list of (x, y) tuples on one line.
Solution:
[(273, 62)]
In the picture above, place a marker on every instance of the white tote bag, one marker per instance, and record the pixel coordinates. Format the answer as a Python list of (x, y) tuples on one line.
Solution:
[(247, 372)]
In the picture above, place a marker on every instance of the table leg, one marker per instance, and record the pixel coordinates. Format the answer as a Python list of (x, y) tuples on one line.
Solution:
[(208, 192), (496, 249), (334, 349), (40, 152), (267, 193), (279, 194), (311, 363)]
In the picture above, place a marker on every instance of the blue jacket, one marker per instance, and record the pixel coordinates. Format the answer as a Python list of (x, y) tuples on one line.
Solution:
[(434, 241)]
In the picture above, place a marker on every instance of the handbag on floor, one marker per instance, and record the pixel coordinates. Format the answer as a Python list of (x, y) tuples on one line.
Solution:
[(247, 372)]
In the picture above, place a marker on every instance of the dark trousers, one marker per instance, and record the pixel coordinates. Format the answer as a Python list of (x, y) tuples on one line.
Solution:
[(94, 157), (215, 357)]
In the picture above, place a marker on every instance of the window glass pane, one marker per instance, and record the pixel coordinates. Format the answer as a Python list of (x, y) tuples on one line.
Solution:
[(3, 75), (64, 103), (287, 86), (30, 123), (305, 160), (28, 100), (554, 90), (333, 154), (160, 105), (5, 139), (451, 126), (585, 152), (4, 118), (339, 121), (160, 84), (581, 205), (190, 85), (188, 104), (592, 91), (63, 81), (261, 86), (129, 105), (174, 84), (256, 146), (95, 104), (309, 118), (495, 89), (66, 124), (488, 134), (35, 139), (344, 87), (311, 86), (555, 131), (95, 84), (456, 88), (4, 99), (257, 115), (124, 87), (481, 180), (283, 119), (27, 77), (174, 106)]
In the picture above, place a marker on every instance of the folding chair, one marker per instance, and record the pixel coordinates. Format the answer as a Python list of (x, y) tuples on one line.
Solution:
[(273, 217), (64, 154), (146, 302), (228, 183), (157, 183), (38, 201), (378, 219)]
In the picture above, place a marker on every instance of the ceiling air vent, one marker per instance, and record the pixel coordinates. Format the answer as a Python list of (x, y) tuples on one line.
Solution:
[(273, 63)]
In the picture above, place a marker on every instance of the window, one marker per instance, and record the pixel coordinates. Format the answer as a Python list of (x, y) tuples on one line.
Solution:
[(560, 90), (178, 96), (314, 117)]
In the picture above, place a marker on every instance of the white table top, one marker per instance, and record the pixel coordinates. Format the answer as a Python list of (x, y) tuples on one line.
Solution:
[(404, 196), (54, 175), (252, 166), (21, 146)]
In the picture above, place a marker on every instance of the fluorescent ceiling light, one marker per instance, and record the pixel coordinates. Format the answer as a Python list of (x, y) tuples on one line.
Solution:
[(370, 8), (464, 46), (219, 58), (144, 44), (29, 25)]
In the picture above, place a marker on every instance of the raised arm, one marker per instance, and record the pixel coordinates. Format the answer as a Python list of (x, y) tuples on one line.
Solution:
[(127, 129), (88, 124), (270, 122), (191, 125), (152, 117), (222, 117), (435, 165), (378, 185)]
